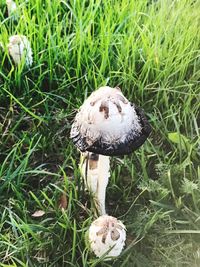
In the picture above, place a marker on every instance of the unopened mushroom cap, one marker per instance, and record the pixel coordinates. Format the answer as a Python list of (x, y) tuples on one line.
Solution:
[(108, 124), (19, 47), (11, 5), (107, 235)]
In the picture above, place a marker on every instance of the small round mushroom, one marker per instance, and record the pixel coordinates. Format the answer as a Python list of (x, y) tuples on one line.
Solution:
[(12, 8), (108, 124), (19, 48), (107, 235)]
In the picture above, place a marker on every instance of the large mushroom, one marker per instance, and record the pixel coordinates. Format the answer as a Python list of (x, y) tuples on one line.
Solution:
[(109, 125)]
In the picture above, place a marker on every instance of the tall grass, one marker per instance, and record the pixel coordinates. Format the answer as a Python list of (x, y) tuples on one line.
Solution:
[(151, 50)]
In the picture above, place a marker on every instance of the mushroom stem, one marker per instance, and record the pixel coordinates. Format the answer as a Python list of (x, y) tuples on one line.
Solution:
[(103, 177), (95, 171)]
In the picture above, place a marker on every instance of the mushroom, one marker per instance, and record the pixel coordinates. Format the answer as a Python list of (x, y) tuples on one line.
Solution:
[(12, 9), (107, 124), (107, 236), (19, 48)]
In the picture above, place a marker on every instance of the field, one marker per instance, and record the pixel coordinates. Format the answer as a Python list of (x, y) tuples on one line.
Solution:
[(151, 50)]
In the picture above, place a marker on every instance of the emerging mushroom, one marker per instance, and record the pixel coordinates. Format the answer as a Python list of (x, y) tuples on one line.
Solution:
[(106, 124), (20, 49), (12, 9), (107, 235)]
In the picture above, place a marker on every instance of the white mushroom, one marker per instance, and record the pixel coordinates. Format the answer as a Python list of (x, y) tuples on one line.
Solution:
[(20, 49), (106, 124), (107, 235), (12, 8), (95, 171)]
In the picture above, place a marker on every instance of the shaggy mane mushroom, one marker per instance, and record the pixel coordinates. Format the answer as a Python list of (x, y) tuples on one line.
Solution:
[(107, 124)]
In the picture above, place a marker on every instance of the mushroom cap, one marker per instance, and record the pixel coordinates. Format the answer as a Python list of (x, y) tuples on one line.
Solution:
[(19, 47), (11, 5), (107, 235), (108, 124)]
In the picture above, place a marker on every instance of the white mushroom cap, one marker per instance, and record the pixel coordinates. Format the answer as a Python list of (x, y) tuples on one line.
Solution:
[(107, 123), (12, 7), (107, 235), (19, 47)]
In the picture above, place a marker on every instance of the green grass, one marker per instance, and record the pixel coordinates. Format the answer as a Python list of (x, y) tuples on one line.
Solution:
[(151, 50)]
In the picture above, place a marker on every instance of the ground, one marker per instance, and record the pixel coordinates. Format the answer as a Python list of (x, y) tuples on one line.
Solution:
[(150, 49)]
